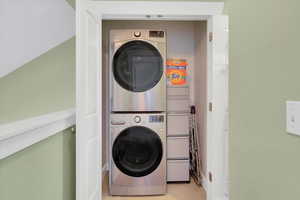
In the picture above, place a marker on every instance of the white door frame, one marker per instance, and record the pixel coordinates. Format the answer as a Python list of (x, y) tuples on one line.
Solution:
[(128, 10)]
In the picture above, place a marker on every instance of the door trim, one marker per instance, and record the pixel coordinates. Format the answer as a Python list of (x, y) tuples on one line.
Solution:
[(141, 10)]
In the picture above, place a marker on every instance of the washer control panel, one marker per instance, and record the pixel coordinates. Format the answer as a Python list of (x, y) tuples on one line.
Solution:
[(156, 118)]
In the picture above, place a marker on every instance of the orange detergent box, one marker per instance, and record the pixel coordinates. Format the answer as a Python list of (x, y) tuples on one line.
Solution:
[(176, 71)]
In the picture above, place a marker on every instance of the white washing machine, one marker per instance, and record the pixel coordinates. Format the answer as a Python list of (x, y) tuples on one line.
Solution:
[(137, 70), (137, 154)]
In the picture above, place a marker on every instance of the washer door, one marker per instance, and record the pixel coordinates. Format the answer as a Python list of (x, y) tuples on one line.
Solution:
[(137, 151), (137, 66)]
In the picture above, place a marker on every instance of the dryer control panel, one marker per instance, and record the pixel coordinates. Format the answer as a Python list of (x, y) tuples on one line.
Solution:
[(156, 118)]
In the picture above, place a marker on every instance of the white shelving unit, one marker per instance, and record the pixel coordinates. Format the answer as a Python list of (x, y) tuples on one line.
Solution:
[(178, 133)]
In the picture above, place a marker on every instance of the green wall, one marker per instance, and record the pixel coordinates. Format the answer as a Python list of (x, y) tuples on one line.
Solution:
[(71, 3), (43, 171), (44, 85), (264, 73)]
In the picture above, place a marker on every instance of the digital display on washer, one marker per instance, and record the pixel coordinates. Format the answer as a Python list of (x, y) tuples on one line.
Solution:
[(156, 118), (158, 34)]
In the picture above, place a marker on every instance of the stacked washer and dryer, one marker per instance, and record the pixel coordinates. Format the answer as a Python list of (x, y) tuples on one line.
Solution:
[(138, 112)]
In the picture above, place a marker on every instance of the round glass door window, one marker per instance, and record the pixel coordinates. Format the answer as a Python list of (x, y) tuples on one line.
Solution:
[(137, 151), (137, 66)]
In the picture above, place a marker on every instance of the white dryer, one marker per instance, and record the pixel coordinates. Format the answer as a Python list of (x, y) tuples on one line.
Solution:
[(137, 68), (137, 154)]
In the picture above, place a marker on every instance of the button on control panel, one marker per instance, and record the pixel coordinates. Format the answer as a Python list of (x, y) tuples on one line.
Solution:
[(137, 119), (137, 34)]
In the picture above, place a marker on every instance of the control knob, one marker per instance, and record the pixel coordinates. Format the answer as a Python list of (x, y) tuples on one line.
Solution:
[(137, 34), (137, 119)]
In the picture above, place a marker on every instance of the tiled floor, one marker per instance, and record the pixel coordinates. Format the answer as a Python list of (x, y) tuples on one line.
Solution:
[(176, 191)]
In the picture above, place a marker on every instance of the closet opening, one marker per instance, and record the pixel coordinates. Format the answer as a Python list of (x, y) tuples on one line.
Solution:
[(192, 147)]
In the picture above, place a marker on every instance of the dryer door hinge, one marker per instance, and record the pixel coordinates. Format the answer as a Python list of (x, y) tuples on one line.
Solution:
[(211, 36), (210, 107)]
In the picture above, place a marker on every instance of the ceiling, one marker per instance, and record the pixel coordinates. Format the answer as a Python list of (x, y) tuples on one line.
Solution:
[(30, 28)]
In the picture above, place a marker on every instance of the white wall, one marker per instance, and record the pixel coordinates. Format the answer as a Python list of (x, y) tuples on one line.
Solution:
[(30, 28), (201, 89)]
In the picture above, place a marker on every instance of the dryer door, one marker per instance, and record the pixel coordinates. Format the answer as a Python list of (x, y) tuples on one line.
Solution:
[(137, 151), (137, 66)]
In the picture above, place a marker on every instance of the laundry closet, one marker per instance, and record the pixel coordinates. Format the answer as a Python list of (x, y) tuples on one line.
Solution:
[(179, 44)]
